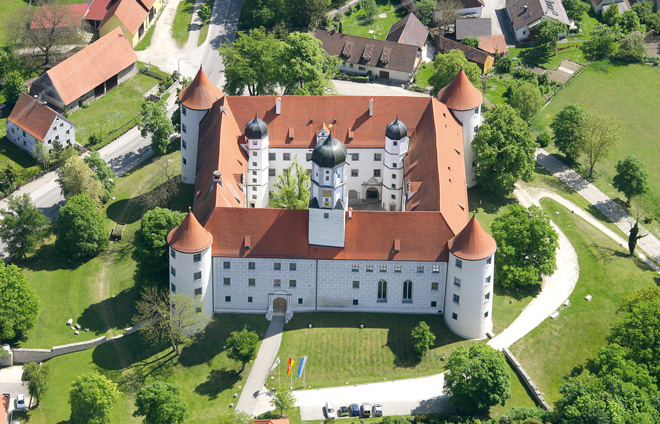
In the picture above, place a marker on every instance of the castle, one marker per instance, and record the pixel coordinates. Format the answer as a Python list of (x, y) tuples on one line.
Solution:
[(387, 229)]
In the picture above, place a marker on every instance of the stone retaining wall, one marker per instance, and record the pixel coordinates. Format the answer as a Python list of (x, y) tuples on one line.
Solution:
[(536, 393)]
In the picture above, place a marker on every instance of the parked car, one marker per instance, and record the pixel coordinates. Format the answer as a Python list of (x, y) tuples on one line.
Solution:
[(377, 410), (330, 410), (20, 403), (343, 411), (354, 409), (366, 410)]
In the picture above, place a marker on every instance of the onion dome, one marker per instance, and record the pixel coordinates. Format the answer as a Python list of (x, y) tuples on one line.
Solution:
[(329, 152), (396, 130), (460, 94), (472, 243), (256, 128), (190, 236), (201, 93)]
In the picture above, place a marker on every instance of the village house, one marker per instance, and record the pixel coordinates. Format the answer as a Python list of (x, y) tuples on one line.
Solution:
[(525, 15), (134, 17), (409, 30)]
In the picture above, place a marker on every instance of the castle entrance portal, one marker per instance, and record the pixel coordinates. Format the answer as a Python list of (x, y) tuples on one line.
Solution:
[(279, 306)]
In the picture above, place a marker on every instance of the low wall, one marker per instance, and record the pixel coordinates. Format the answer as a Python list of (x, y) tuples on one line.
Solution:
[(536, 393), (23, 355)]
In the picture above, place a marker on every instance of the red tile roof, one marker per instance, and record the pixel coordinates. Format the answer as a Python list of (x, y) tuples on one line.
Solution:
[(477, 56), (201, 93), (472, 243), (4, 405), (131, 13), (98, 9), (495, 44), (34, 117), (92, 66), (190, 236), (460, 94), (69, 15)]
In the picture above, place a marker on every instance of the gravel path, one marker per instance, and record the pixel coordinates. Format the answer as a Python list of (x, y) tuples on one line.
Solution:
[(162, 43)]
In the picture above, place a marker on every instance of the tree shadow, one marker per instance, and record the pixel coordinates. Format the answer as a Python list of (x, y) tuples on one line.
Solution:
[(122, 306), (48, 258), (487, 201), (217, 382), (519, 293)]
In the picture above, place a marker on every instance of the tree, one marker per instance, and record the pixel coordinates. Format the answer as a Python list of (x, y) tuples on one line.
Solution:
[(632, 47), (103, 174), (615, 360), (305, 13), (471, 41), (505, 150), (204, 12), (644, 11), (9, 61), (283, 399), (76, 177), (242, 346), (426, 9), (504, 64), (610, 16), (370, 9), (305, 68), (549, 31), (446, 14), (597, 137), (92, 397), (160, 403), (9, 177), (151, 251), (19, 303), (565, 128), (446, 67), (42, 154), (22, 226), (628, 21), (543, 138), (14, 86), (37, 376), (630, 178), (604, 42), (252, 63), (153, 120), (176, 318), (422, 338), (80, 230), (477, 378), (575, 9), (526, 99), (526, 246), (633, 237), (293, 187)]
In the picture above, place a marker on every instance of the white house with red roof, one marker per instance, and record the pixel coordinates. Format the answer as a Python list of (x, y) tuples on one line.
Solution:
[(32, 122), (387, 229)]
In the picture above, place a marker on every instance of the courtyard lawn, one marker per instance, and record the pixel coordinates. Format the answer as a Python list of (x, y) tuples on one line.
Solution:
[(113, 110), (146, 40), (206, 377), (496, 86), (556, 347), (424, 73), (182, 20), (357, 24)]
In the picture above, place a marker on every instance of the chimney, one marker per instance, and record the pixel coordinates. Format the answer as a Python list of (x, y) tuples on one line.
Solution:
[(350, 213), (371, 107), (278, 106), (217, 177)]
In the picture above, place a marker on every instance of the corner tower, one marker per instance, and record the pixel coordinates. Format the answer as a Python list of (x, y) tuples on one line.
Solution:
[(256, 133), (191, 261), (464, 101), (469, 291), (329, 195), (396, 148), (196, 100)]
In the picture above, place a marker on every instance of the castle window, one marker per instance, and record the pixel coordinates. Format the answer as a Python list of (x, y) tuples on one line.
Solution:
[(370, 267), (271, 156), (183, 127), (394, 186), (300, 301), (173, 253), (184, 161), (457, 298), (454, 315), (197, 257), (355, 267), (355, 302), (226, 281), (277, 282), (457, 281), (407, 290), (356, 284), (459, 263), (435, 286), (377, 157), (197, 275), (252, 282), (355, 156), (226, 265), (277, 266), (271, 172), (292, 266), (254, 197), (393, 175), (252, 265), (434, 304), (383, 267), (254, 180), (327, 178), (293, 283), (382, 291), (227, 299), (486, 314), (420, 269), (249, 299), (436, 269), (354, 173), (173, 271), (476, 129), (183, 110), (488, 280), (476, 110), (254, 173), (376, 172), (326, 215), (397, 268), (183, 144), (308, 157), (254, 163), (254, 153), (286, 156), (254, 142), (487, 297), (198, 292), (395, 143), (489, 260), (173, 288), (394, 197)]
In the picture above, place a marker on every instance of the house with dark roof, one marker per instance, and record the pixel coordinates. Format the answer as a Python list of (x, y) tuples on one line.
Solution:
[(32, 122), (361, 55), (88, 74), (478, 56), (601, 7), (481, 28), (525, 15), (134, 17), (409, 30)]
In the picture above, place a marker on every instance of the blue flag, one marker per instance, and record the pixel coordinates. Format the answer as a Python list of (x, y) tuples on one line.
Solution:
[(301, 367)]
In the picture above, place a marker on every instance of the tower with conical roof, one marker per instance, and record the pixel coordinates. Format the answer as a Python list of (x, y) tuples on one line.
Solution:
[(464, 101), (196, 101), (470, 272), (256, 133), (191, 261), (328, 193), (396, 148)]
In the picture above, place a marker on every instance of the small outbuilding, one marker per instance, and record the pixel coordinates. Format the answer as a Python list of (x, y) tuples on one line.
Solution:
[(409, 30), (480, 57)]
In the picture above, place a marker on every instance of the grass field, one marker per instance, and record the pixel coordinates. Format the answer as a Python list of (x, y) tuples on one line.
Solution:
[(496, 86), (146, 41), (10, 7), (357, 24), (9, 152), (552, 62), (424, 73), (182, 21), (111, 111), (607, 273)]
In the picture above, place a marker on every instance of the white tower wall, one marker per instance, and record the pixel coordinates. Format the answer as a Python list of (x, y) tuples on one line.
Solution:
[(182, 280), (257, 177), (471, 121), (395, 151), (471, 315), (190, 119)]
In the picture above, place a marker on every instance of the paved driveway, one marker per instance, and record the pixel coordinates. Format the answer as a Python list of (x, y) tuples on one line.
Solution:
[(10, 382)]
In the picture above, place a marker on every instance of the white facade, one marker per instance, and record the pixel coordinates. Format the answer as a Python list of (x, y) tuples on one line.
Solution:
[(257, 178), (471, 121), (351, 68), (190, 273), (469, 296), (190, 119), (61, 130), (395, 151)]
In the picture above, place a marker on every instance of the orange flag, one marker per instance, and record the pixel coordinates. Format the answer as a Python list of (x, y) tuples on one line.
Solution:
[(289, 366)]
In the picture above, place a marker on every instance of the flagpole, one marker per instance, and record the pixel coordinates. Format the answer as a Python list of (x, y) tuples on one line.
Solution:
[(279, 372)]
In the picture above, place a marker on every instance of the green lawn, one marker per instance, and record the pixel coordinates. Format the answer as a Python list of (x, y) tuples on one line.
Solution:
[(111, 111), (357, 24), (552, 62), (182, 21), (496, 86), (587, 22), (554, 348), (424, 73), (9, 152), (146, 41)]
